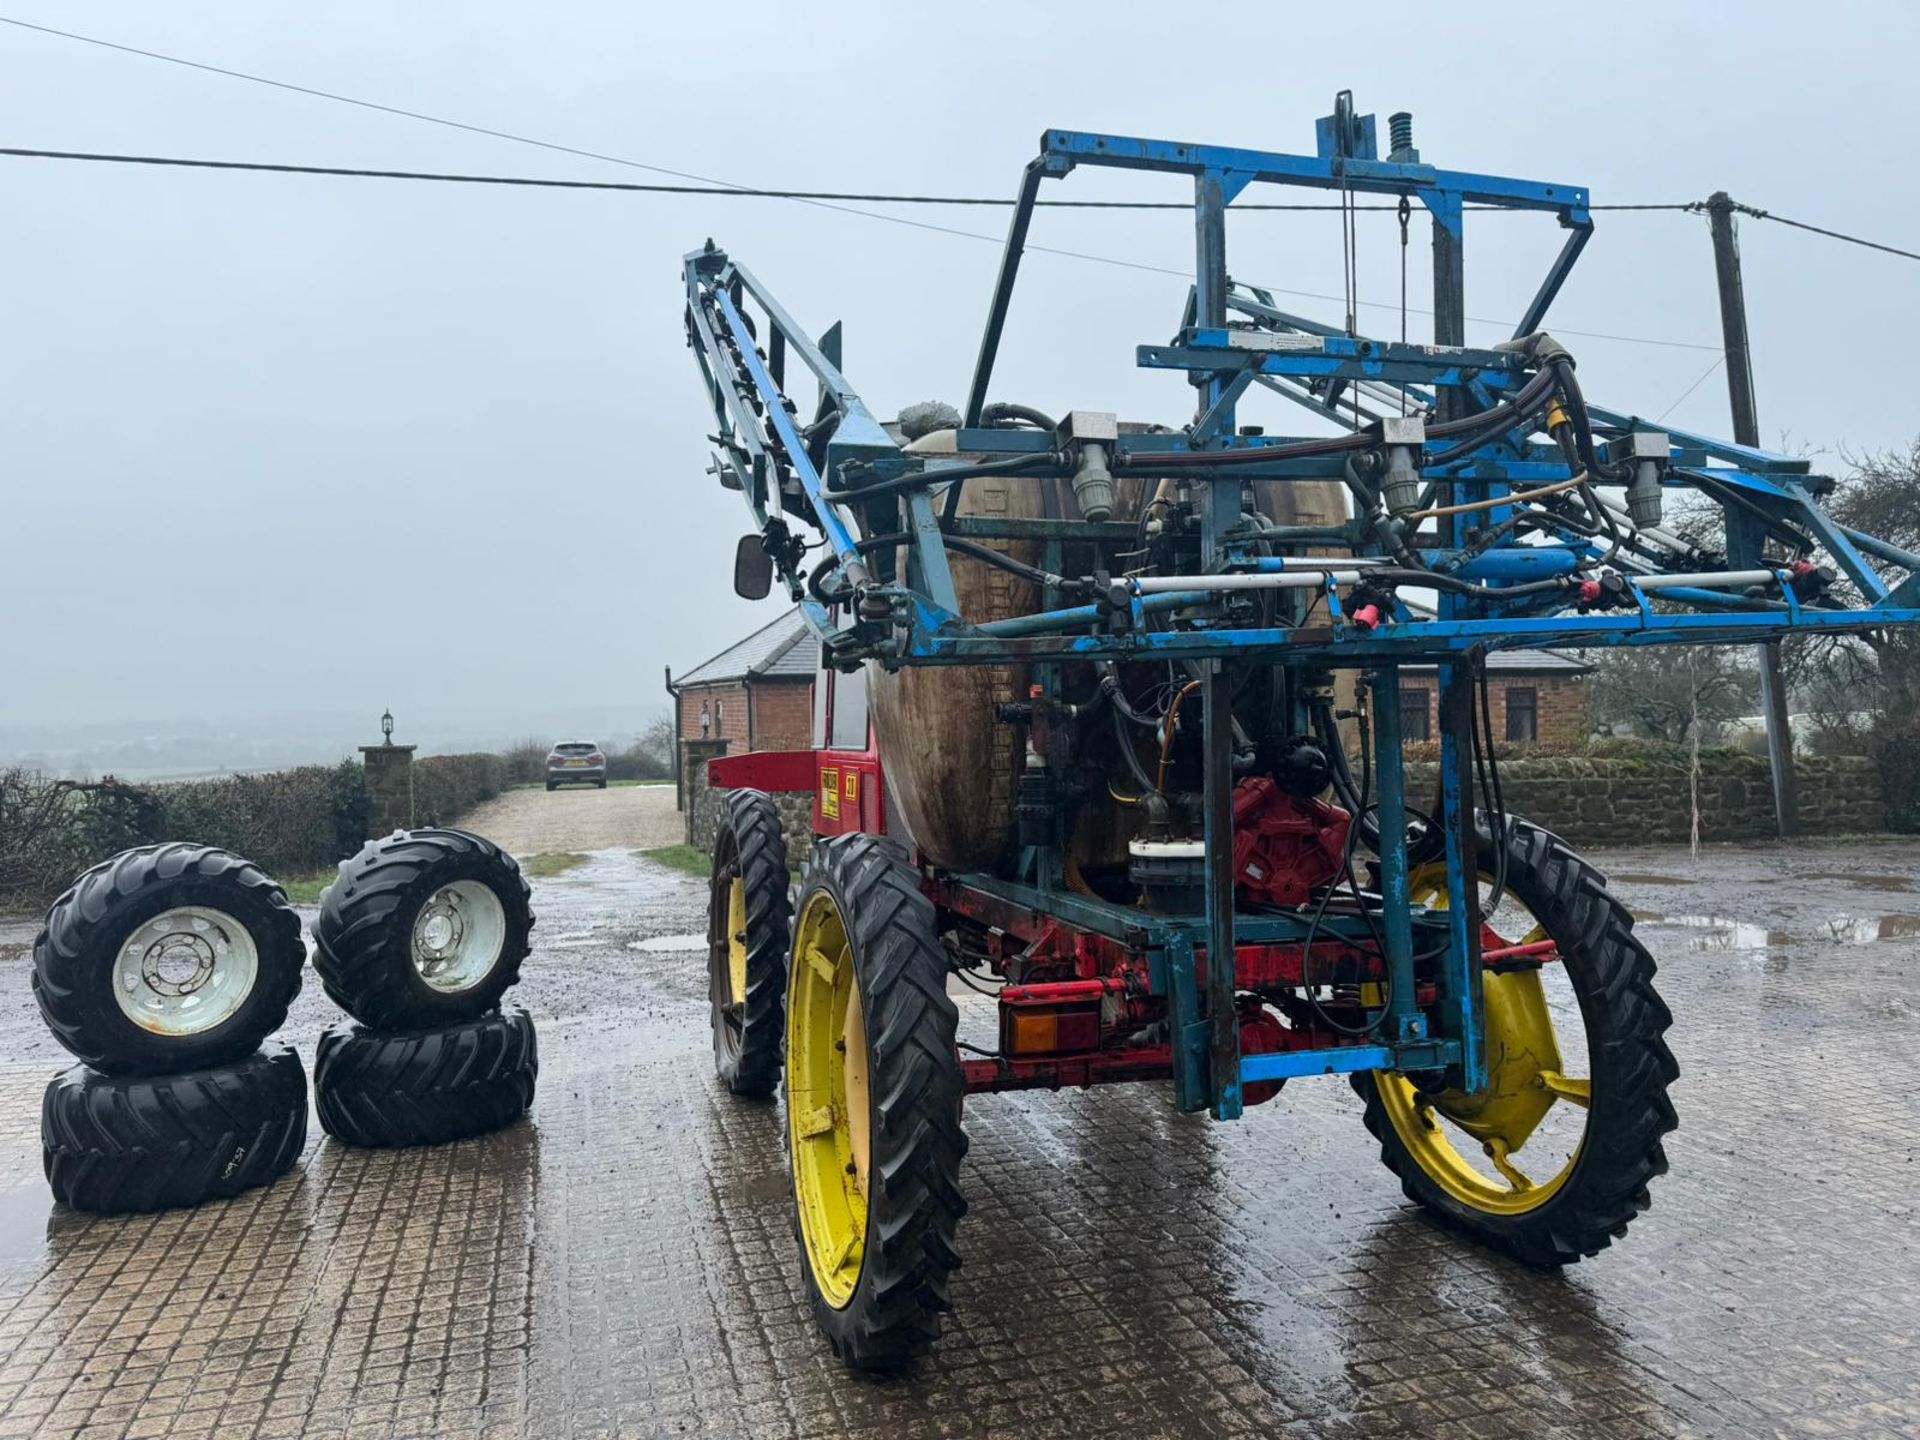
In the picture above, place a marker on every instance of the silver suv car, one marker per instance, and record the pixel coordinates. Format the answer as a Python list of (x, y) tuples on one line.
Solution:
[(576, 762)]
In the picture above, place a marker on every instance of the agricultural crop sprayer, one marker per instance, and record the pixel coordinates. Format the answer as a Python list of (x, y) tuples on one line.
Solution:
[(1109, 727)]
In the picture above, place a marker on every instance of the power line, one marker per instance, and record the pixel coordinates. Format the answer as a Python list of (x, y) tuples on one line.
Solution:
[(743, 192), (722, 189), (1718, 361), (1759, 214), (721, 185)]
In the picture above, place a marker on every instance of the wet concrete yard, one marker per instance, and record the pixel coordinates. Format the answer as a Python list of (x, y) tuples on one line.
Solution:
[(622, 1264)]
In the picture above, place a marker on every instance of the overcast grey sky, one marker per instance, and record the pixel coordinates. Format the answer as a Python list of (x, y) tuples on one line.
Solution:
[(281, 443)]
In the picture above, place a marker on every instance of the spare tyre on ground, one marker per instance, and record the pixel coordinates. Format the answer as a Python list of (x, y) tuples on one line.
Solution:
[(423, 928), (124, 1144), (168, 957), (425, 1087)]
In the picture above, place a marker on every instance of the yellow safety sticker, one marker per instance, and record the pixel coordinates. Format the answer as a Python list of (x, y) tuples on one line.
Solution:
[(830, 794)]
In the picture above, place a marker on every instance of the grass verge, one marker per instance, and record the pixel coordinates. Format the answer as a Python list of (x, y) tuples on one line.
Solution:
[(688, 859), (305, 889), (549, 863)]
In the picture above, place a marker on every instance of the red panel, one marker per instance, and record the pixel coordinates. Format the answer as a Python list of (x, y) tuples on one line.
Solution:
[(769, 770), (846, 799)]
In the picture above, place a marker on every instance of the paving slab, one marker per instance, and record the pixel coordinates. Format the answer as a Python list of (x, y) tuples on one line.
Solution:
[(622, 1263)]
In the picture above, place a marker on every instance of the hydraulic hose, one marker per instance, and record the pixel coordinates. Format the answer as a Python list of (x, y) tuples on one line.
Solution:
[(1044, 462), (1138, 770), (986, 554), (1007, 410)]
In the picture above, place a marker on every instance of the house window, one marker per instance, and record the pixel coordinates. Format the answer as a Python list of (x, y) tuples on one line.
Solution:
[(1523, 713), (1416, 715)]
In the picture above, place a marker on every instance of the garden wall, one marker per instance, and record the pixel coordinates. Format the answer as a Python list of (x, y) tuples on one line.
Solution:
[(1618, 801)]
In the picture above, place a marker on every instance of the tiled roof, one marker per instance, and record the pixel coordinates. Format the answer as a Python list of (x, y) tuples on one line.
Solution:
[(784, 648)]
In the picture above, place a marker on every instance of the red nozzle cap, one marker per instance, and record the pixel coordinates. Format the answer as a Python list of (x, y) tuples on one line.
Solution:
[(1367, 617), (1589, 591)]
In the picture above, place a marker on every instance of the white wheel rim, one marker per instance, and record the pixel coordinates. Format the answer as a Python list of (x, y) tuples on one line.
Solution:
[(185, 971), (458, 935)]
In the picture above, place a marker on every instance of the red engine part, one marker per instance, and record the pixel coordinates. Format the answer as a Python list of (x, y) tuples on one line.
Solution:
[(1261, 1033), (1284, 847)]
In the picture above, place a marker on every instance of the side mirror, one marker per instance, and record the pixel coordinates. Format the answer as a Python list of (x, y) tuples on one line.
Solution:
[(752, 569)]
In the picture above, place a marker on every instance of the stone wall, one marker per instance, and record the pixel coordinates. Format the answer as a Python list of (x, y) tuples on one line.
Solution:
[(703, 807), (1621, 801)]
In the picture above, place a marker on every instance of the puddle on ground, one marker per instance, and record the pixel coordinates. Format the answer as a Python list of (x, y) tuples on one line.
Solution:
[(1723, 932), (24, 1214), (669, 943), (1638, 877), (1887, 884)]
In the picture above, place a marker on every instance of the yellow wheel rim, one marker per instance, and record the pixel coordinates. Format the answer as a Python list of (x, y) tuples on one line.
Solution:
[(828, 1105), (1527, 1081), (737, 940)]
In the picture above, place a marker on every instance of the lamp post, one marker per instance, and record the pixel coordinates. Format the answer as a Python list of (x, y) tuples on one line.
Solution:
[(389, 772)]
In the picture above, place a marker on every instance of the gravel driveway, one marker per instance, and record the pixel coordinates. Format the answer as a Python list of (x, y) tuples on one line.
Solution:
[(530, 821)]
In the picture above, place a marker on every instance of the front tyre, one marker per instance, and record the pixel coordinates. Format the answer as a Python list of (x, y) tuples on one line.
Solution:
[(749, 920), (873, 1104), (1551, 1161)]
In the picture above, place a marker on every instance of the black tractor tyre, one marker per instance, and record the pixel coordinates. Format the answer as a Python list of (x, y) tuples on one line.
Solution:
[(365, 937), (75, 957), (121, 1145), (916, 1088), (425, 1087), (1612, 975), (750, 847)]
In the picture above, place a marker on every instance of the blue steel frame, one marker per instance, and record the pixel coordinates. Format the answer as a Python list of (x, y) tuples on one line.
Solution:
[(844, 476)]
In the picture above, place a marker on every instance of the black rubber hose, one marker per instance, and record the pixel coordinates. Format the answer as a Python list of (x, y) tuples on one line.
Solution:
[(1046, 462), (984, 553), (1562, 369), (1007, 410), (1499, 418), (1140, 776)]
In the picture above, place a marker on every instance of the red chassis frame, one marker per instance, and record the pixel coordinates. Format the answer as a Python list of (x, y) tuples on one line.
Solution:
[(1059, 964)]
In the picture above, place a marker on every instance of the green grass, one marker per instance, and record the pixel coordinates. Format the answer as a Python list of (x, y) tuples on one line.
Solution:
[(305, 889), (689, 859), (550, 863)]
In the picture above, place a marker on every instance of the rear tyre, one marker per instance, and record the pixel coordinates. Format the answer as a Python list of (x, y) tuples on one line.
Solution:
[(1508, 1200), (423, 928), (873, 1104), (749, 920), (425, 1087), (127, 1145), (168, 957)]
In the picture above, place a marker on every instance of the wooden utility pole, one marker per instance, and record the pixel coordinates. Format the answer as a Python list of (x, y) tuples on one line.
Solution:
[(1746, 431)]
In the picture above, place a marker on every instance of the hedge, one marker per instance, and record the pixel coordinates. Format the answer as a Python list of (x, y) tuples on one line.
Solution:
[(286, 821)]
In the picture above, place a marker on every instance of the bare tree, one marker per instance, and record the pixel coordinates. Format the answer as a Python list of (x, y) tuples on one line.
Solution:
[(657, 739), (1658, 690)]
